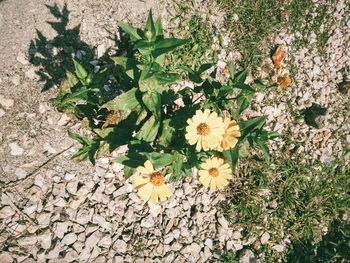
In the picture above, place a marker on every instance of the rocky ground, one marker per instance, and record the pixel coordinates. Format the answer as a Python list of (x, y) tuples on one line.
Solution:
[(53, 208)]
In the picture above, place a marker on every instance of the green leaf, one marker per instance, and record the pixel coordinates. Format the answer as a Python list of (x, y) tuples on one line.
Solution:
[(166, 78), (253, 123), (167, 134), (241, 76), (149, 85), (160, 159), (166, 45), (128, 64), (125, 102), (149, 130), (264, 148), (247, 127), (177, 165), (152, 100), (242, 103), (192, 75), (83, 140), (131, 160), (79, 70), (273, 134), (128, 171), (244, 87), (81, 94), (159, 27), (144, 47), (150, 69), (130, 30), (89, 149), (141, 117), (232, 156), (98, 79), (71, 78), (232, 70), (150, 29)]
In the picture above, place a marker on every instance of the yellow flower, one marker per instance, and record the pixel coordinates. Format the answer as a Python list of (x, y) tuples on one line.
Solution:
[(229, 139), (205, 129), (151, 185), (215, 173)]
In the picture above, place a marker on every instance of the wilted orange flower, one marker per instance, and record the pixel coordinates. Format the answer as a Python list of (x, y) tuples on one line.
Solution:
[(283, 82), (279, 56), (229, 139)]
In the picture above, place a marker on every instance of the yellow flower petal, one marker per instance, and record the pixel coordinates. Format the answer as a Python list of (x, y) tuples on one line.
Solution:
[(146, 191), (205, 180), (212, 184), (203, 173), (205, 129), (192, 138), (139, 180), (154, 195), (215, 179), (199, 145), (164, 192), (147, 169)]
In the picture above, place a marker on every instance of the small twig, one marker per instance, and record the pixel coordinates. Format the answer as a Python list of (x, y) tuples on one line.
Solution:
[(15, 183)]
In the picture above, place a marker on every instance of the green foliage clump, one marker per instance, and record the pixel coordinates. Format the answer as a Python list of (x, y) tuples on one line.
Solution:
[(141, 112), (297, 203)]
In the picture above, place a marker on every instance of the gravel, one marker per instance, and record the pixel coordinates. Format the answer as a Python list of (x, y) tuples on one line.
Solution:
[(53, 208)]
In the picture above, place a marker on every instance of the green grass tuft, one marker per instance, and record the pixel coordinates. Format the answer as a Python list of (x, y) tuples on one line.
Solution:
[(293, 203)]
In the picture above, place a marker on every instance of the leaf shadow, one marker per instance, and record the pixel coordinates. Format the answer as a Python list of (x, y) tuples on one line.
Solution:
[(54, 57)]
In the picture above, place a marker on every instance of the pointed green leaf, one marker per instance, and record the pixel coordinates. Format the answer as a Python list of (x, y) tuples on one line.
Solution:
[(242, 103), (130, 30), (232, 70), (128, 171), (149, 130), (159, 27), (79, 70), (247, 127), (150, 29), (89, 149), (152, 100), (166, 45), (149, 85), (166, 78), (241, 76), (160, 159), (71, 78), (253, 123), (265, 149), (81, 94), (83, 140), (166, 137), (128, 64), (125, 102), (150, 69), (273, 134), (232, 156), (145, 47), (177, 165)]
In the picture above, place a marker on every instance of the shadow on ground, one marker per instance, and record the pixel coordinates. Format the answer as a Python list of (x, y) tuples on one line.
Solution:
[(54, 56), (334, 247)]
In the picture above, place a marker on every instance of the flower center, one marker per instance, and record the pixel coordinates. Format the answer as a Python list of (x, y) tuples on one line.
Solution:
[(214, 172), (157, 178), (203, 129)]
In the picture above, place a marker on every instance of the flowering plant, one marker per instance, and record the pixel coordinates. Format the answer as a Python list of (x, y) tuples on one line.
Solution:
[(166, 131)]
